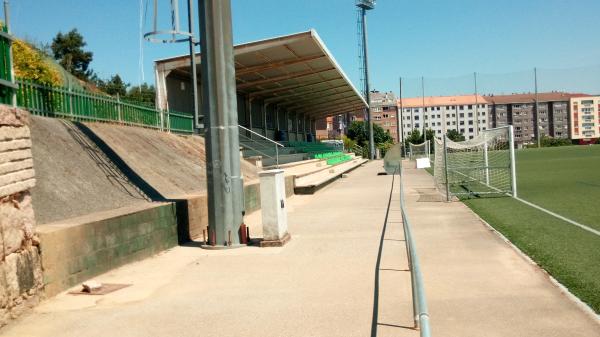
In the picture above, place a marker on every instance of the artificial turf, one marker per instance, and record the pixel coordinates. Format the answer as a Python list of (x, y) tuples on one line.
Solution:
[(566, 181)]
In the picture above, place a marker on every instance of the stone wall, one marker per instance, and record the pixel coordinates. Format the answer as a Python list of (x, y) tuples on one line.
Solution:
[(21, 281)]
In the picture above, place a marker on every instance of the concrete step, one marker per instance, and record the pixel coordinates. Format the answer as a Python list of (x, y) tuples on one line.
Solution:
[(313, 181), (284, 159)]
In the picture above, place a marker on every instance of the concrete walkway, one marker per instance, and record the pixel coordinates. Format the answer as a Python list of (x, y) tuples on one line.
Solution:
[(476, 284), (320, 284)]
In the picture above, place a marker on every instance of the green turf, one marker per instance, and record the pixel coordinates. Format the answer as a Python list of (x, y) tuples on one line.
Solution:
[(565, 180), (567, 252)]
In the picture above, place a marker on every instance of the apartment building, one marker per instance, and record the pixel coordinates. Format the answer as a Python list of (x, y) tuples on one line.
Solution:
[(384, 112), (585, 119), (330, 127), (467, 114), (519, 110)]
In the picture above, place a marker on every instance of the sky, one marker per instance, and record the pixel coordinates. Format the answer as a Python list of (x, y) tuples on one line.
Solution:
[(444, 41)]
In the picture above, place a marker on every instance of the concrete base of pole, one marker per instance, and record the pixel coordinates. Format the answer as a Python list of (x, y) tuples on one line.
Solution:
[(276, 243), (221, 247)]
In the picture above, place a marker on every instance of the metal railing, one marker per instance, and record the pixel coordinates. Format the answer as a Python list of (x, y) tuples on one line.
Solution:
[(420, 312), (258, 144), (81, 105)]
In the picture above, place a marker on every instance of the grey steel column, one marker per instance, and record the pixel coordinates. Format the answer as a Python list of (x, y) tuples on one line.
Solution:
[(399, 119), (367, 89), (193, 65), (219, 105), (536, 115)]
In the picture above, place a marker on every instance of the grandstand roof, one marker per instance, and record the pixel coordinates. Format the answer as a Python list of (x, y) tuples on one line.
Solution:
[(530, 97), (417, 102), (296, 71)]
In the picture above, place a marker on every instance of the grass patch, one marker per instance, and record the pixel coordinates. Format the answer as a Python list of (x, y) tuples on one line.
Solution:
[(565, 180), (567, 252)]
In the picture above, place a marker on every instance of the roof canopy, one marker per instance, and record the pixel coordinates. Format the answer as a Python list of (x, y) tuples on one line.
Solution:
[(294, 71)]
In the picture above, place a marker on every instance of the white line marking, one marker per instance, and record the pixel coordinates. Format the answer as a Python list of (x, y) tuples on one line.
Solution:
[(589, 229)]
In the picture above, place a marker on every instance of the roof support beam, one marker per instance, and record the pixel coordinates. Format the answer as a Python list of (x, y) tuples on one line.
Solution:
[(312, 96), (273, 65), (316, 100), (320, 103), (291, 87), (334, 111), (282, 78), (306, 92)]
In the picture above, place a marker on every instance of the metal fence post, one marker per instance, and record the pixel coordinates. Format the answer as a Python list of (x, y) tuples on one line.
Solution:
[(446, 169)]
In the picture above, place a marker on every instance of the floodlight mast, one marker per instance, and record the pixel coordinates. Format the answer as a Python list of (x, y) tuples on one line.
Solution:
[(175, 35), (364, 6)]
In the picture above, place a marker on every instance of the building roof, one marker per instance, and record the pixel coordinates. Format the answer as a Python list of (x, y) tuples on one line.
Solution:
[(530, 98), (295, 71), (417, 102)]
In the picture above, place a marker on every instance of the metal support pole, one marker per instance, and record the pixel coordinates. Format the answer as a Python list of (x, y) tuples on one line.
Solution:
[(120, 116), (513, 163), (423, 104), (486, 159), (399, 126), (476, 106), (219, 105), (537, 114), (367, 89), (192, 46), (446, 168)]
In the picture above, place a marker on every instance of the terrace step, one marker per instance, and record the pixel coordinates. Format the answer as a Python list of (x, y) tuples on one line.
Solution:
[(311, 182)]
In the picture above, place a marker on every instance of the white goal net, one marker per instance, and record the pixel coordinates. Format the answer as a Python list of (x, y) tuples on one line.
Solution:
[(484, 165), (419, 150)]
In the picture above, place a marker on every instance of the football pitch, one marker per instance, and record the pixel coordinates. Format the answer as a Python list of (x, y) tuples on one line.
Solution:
[(566, 181)]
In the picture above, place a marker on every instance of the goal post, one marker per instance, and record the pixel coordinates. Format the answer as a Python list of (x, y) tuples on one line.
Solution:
[(482, 166), (422, 150)]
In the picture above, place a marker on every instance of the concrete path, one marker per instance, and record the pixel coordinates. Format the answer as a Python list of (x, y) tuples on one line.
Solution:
[(320, 284), (323, 282), (476, 284)]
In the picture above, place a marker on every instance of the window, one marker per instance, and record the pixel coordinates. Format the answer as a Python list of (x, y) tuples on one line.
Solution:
[(470, 114), (461, 115), (470, 107), (462, 107), (470, 122), (471, 130)]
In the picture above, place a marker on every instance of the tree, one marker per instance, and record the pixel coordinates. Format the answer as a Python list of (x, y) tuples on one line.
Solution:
[(358, 132), (429, 135), (113, 86), (414, 137), (145, 94), (68, 50), (455, 136)]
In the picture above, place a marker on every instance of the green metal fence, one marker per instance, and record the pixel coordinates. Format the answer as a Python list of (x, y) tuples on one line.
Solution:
[(79, 105), (6, 81)]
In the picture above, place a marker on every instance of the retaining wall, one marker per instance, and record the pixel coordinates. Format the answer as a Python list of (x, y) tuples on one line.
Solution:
[(20, 267), (81, 248)]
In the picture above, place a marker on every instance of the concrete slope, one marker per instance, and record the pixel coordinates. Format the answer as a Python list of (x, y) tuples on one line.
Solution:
[(73, 176), (174, 165)]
